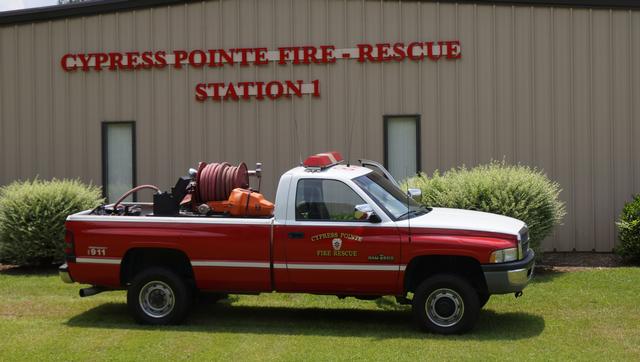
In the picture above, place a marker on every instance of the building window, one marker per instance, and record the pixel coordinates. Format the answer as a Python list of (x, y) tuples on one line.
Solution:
[(118, 159), (402, 145), (326, 200)]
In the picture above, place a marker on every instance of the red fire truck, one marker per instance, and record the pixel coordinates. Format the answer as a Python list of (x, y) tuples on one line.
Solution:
[(334, 229)]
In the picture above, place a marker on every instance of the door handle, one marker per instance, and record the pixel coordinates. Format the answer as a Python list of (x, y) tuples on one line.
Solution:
[(296, 235)]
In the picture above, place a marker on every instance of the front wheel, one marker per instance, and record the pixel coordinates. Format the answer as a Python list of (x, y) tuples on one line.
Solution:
[(483, 298), (446, 304), (158, 296)]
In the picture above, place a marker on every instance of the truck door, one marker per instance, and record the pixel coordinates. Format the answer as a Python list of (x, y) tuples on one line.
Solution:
[(330, 249)]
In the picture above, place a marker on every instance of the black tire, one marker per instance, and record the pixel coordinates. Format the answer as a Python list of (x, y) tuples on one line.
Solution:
[(446, 304), (159, 296), (483, 298)]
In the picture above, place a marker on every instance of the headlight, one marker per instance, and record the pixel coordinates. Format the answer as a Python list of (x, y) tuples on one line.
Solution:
[(504, 255)]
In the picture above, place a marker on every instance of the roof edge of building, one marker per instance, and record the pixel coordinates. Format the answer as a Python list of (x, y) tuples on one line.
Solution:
[(86, 8), (95, 7)]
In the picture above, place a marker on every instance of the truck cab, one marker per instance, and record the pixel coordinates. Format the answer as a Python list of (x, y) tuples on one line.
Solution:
[(336, 229)]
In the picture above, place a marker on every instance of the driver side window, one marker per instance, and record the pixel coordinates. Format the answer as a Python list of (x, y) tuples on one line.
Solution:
[(326, 200)]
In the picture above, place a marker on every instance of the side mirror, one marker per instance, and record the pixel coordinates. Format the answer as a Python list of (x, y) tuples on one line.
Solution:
[(414, 194), (365, 212)]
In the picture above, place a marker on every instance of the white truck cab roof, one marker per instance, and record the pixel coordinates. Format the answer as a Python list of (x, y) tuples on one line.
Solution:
[(341, 172)]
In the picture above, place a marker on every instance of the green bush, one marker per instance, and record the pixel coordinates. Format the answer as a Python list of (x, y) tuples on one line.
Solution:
[(516, 191), (629, 230), (32, 215)]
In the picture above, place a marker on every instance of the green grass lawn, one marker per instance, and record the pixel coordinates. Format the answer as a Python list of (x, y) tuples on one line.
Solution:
[(585, 315)]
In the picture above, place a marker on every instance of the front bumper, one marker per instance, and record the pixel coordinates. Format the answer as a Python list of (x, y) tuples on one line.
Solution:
[(63, 271), (509, 277)]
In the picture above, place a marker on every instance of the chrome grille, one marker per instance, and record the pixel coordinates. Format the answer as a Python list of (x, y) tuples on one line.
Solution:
[(524, 241)]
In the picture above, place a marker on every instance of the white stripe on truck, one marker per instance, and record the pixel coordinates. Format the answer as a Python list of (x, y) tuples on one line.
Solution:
[(264, 265), (98, 261)]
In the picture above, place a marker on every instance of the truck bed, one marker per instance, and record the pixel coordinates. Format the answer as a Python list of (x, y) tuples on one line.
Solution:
[(105, 243)]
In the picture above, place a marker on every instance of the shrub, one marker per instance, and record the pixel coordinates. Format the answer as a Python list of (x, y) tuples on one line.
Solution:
[(32, 216), (512, 190), (629, 230)]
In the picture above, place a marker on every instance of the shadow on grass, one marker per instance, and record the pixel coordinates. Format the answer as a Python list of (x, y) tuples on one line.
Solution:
[(376, 324), (546, 275), (28, 270)]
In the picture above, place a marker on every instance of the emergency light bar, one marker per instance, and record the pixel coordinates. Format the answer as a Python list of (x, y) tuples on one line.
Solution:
[(323, 160)]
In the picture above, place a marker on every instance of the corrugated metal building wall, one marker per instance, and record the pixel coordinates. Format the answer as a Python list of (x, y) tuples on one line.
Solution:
[(553, 87)]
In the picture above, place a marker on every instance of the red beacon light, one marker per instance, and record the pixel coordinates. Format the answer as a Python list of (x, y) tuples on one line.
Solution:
[(323, 160)]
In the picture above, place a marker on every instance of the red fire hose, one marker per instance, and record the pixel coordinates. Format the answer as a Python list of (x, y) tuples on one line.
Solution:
[(215, 181)]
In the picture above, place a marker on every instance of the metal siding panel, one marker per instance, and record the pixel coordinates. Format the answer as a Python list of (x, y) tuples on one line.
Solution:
[(317, 134), (41, 78), (580, 205), (392, 83), (466, 87), (180, 96), (523, 84), (298, 107), (230, 141), (430, 127), (354, 34), (59, 98), (410, 91), (601, 102), (635, 98), (24, 90), (126, 87), (283, 119), (162, 104), (543, 106), (621, 95), (485, 83), (246, 122), (143, 93), (447, 75), (74, 92), (265, 110), (110, 79), (91, 116), (373, 90), (213, 110), (9, 109), (4, 144), (505, 145), (76, 102), (195, 35), (126, 84), (561, 132)]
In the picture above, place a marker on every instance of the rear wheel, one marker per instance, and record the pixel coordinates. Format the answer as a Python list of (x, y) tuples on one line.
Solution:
[(446, 304), (158, 296)]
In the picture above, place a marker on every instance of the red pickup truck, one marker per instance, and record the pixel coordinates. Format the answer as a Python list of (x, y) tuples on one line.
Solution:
[(337, 229)]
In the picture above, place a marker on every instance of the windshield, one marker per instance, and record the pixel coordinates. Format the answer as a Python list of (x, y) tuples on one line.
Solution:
[(396, 203)]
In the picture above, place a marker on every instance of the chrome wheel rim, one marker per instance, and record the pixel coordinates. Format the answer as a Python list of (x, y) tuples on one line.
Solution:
[(444, 307), (157, 299)]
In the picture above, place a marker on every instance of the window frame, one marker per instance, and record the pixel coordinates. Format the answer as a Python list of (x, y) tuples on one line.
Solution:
[(386, 120), (295, 202), (105, 152)]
